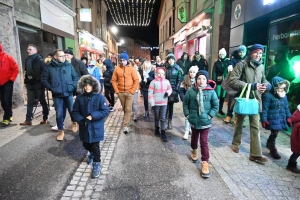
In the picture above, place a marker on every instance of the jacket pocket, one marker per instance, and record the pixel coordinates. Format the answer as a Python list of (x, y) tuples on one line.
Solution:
[(70, 86), (97, 130), (55, 88)]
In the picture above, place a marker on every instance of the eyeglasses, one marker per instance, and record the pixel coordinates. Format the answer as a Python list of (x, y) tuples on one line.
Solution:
[(258, 53), (29, 49), (122, 60)]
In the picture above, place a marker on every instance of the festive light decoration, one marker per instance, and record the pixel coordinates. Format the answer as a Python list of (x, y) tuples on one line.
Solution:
[(131, 12)]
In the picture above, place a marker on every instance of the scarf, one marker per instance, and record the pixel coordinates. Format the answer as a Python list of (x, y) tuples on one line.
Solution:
[(57, 63), (29, 70), (146, 74), (254, 62), (192, 81), (199, 98)]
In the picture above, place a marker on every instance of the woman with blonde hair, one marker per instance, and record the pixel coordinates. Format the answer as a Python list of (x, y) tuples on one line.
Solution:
[(148, 75)]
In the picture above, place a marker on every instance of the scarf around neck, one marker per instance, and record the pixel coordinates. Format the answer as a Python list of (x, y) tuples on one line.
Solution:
[(29, 70), (255, 63), (199, 98)]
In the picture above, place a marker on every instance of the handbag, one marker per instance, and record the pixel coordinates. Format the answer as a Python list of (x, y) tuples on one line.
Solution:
[(246, 106), (173, 98)]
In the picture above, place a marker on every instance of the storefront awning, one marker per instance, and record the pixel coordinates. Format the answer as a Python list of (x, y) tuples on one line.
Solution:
[(90, 42)]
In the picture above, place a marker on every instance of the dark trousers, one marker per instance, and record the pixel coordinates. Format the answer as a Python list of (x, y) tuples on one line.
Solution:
[(170, 110), (110, 95), (31, 95), (145, 96), (93, 148), (230, 108), (6, 92), (101, 85), (160, 116), (203, 134)]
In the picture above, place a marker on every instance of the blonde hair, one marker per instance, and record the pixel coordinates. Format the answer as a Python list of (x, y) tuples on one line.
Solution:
[(147, 65)]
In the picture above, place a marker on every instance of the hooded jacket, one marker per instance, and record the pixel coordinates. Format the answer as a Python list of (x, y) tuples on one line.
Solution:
[(210, 102), (93, 104), (157, 89), (275, 109), (235, 58), (185, 65), (108, 72), (125, 79), (8, 67)]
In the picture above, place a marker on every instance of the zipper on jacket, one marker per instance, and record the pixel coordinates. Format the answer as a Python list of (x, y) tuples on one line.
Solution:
[(124, 78)]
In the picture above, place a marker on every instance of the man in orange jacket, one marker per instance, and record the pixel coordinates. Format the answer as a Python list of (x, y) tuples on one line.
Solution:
[(125, 82), (9, 71)]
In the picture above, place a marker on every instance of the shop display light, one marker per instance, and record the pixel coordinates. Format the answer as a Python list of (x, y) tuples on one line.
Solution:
[(131, 12), (295, 62)]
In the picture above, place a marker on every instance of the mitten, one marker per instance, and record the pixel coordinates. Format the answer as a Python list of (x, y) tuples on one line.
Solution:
[(230, 68), (289, 121), (166, 95), (264, 124)]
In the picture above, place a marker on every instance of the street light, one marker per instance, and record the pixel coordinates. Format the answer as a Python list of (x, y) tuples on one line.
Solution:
[(114, 30), (122, 41)]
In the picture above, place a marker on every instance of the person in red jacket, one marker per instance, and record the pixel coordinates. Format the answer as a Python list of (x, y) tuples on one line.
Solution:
[(9, 71)]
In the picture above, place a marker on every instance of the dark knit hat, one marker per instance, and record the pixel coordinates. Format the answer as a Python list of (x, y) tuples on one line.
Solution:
[(202, 72), (170, 56), (68, 51), (242, 48), (124, 55), (255, 47)]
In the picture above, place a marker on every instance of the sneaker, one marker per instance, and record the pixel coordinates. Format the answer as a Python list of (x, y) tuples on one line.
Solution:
[(5, 122), (74, 127), (55, 128), (90, 158), (186, 135), (204, 169), (258, 159), (126, 129), (111, 109), (146, 114), (11, 119), (96, 170)]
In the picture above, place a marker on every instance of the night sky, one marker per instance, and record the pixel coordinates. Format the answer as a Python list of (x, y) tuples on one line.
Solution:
[(149, 34)]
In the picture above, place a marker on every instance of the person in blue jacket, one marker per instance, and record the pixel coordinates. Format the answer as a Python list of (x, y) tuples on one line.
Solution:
[(94, 70), (108, 88), (275, 115), (89, 111)]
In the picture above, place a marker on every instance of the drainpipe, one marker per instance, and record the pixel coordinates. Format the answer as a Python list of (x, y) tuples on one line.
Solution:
[(173, 22)]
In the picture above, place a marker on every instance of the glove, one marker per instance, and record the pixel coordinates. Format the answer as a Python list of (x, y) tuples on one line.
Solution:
[(264, 124), (289, 121), (166, 95), (230, 68)]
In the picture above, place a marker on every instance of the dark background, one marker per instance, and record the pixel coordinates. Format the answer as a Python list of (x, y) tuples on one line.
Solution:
[(149, 34)]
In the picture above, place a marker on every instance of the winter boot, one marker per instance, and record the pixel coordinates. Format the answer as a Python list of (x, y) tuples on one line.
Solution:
[(205, 170), (74, 127), (169, 124), (90, 158), (96, 170), (187, 130), (164, 136), (146, 114), (60, 135), (274, 154), (227, 119), (157, 133), (271, 145), (292, 166), (194, 155)]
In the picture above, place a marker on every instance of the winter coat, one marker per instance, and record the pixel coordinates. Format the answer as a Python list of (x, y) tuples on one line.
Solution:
[(245, 73), (37, 65), (95, 72), (295, 137), (125, 79), (235, 58), (201, 63), (60, 80), (185, 66), (108, 72), (8, 67), (173, 74), (93, 104), (275, 109), (220, 68), (79, 67), (145, 86), (157, 89), (191, 107)]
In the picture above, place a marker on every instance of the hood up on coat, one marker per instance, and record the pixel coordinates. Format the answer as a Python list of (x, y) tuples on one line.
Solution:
[(277, 81), (236, 55), (211, 85), (88, 79), (184, 53), (108, 63)]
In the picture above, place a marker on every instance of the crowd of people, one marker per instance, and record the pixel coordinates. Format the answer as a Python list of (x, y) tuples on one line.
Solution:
[(161, 84)]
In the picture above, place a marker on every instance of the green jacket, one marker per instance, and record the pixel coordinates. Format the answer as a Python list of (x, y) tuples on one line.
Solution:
[(191, 107)]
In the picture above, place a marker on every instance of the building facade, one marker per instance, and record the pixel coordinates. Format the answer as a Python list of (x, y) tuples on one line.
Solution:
[(112, 42)]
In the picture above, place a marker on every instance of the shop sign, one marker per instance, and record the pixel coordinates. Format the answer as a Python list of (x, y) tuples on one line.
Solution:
[(181, 12), (91, 42), (237, 11), (85, 15)]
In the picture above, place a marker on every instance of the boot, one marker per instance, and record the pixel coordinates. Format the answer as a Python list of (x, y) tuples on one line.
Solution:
[(204, 169), (90, 158), (169, 124), (45, 121), (194, 155), (274, 154), (74, 127), (157, 133), (26, 123), (164, 136), (272, 147), (146, 114), (292, 166), (60, 135), (96, 170), (227, 119)]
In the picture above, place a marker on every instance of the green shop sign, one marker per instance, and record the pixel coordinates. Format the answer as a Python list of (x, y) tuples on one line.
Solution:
[(181, 12)]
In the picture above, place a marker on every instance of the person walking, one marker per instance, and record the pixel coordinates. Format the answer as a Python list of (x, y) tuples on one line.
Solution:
[(200, 105), (125, 81), (33, 71), (60, 78), (9, 71), (94, 70), (135, 97), (200, 61), (108, 88), (250, 71), (184, 63)]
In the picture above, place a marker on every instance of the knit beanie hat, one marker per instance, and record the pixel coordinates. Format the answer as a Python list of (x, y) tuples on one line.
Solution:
[(223, 52), (202, 72), (124, 55), (255, 48), (194, 68), (242, 48), (170, 55)]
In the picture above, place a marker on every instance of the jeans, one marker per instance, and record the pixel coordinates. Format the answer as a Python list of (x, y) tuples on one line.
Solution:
[(60, 103), (93, 148), (101, 85), (6, 92), (203, 133), (255, 145), (134, 104), (40, 94), (126, 99), (170, 110), (145, 96), (160, 116), (110, 95)]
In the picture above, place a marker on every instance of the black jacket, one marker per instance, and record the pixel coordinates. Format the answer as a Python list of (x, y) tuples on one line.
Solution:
[(79, 67), (108, 72), (202, 64), (34, 82), (187, 64)]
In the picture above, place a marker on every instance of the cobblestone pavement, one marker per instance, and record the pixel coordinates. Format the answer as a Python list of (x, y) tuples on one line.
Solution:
[(233, 176)]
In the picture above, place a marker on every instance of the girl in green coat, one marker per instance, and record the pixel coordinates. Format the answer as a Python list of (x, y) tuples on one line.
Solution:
[(200, 105)]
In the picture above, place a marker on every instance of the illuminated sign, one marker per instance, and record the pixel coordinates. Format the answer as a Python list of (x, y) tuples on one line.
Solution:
[(181, 13), (85, 15), (267, 2), (237, 11)]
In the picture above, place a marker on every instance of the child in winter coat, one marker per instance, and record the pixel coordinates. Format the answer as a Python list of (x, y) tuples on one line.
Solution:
[(147, 75), (94, 70), (200, 105), (89, 111), (275, 115), (185, 85), (295, 143), (159, 90)]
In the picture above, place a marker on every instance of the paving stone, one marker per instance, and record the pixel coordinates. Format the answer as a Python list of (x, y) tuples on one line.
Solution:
[(77, 194), (71, 187), (68, 193)]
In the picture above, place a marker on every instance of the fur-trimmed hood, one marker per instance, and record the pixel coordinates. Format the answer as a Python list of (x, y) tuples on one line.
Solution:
[(88, 79)]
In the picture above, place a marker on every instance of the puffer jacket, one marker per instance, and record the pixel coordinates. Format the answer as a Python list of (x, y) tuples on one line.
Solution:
[(275, 109), (191, 107), (60, 80), (174, 74), (157, 89), (125, 79), (108, 72), (8, 67), (93, 104)]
